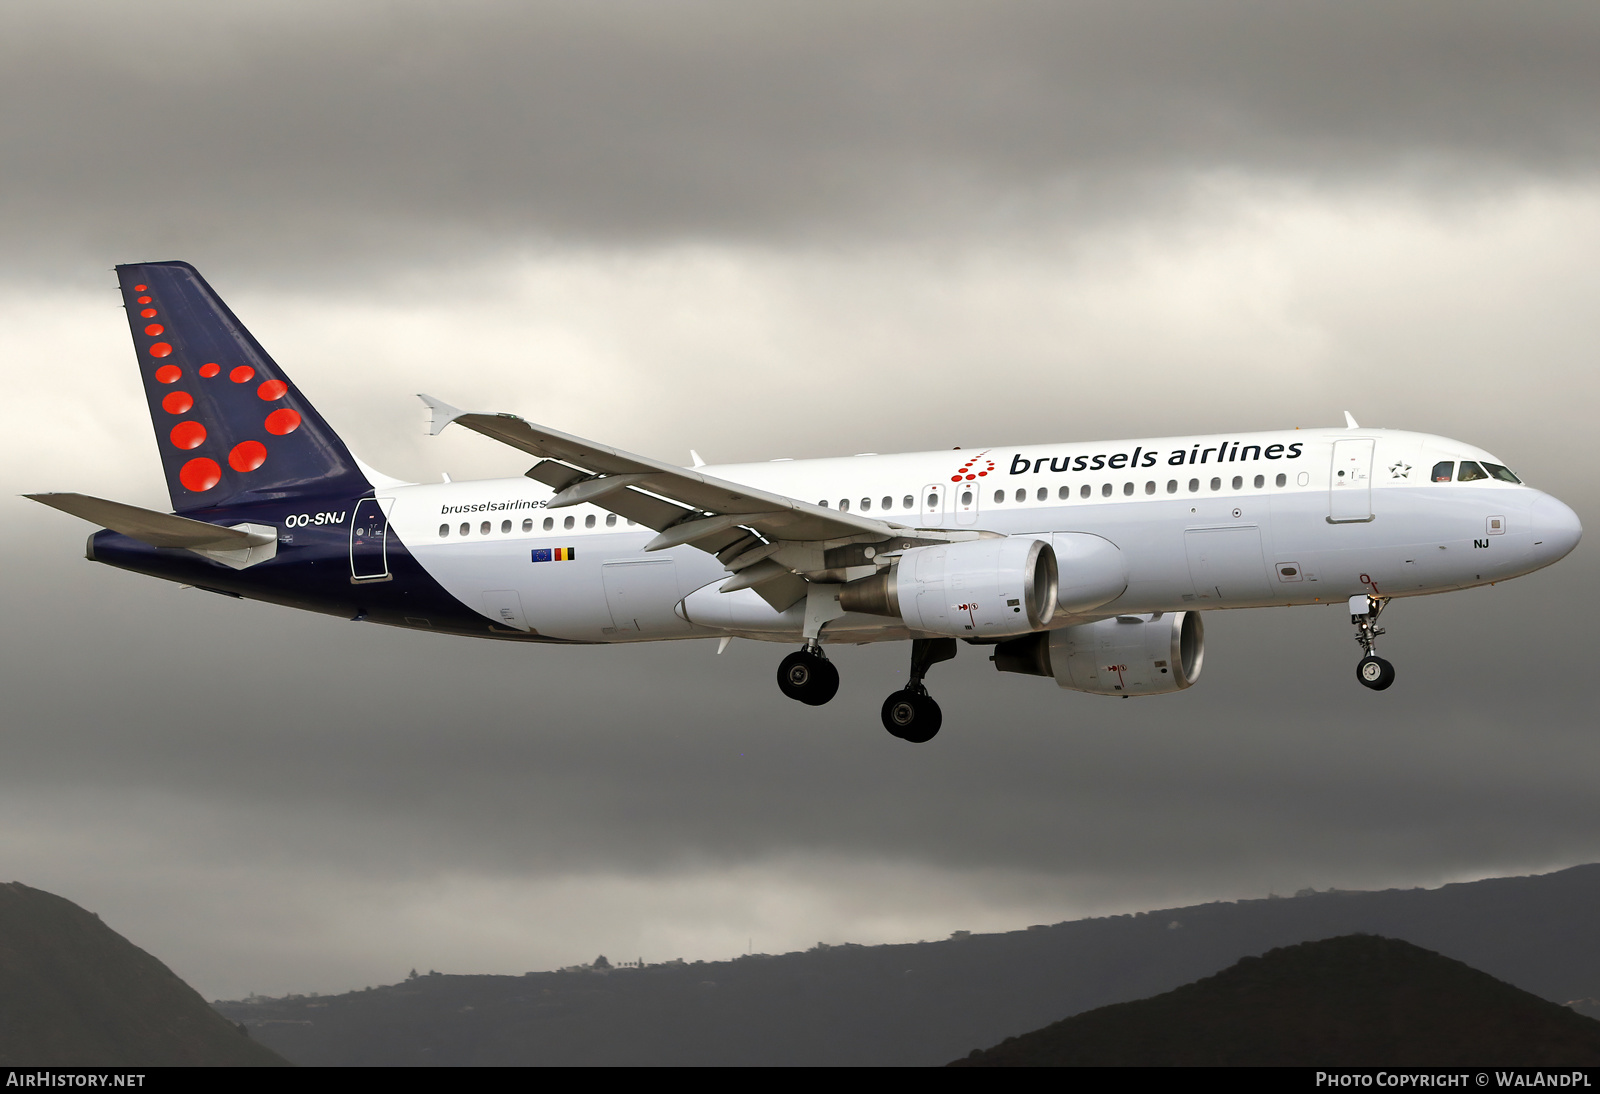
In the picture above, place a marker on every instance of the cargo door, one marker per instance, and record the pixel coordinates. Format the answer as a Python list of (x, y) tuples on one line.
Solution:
[(1226, 564), (642, 595)]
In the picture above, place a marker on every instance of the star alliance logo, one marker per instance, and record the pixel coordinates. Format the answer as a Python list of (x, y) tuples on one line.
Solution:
[(1400, 470)]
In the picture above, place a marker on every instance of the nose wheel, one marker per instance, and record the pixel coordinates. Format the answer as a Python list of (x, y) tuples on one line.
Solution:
[(808, 677), (910, 713), (1372, 671)]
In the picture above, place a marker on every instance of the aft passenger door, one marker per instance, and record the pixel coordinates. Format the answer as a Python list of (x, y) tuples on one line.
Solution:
[(369, 540), (1350, 492)]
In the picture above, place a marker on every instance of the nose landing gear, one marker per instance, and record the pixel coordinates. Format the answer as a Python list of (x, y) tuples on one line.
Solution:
[(910, 713), (807, 676), (1372, 671)]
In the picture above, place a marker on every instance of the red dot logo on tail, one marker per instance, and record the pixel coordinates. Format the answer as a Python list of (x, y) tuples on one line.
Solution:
[(144, 300), (154, 329), (247, 456), (242, 375), (280, 422), (210, 369), (273, 389), (168, 374), (161, 349), (149, 313), (140, 288), (200, 475), (179, 402), (188, 435)]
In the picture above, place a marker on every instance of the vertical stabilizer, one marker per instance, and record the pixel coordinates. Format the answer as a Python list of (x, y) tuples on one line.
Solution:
[(231, 427)]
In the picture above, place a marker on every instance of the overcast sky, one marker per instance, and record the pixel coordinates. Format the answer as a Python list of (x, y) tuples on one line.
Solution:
[(768, 230)]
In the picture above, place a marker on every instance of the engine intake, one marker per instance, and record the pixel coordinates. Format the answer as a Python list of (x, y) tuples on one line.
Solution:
[(976, 588), (1127, 655)]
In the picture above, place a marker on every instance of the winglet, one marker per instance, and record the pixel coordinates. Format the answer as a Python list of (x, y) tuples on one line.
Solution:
[(1350, 421), (440, 413), (695, 456)]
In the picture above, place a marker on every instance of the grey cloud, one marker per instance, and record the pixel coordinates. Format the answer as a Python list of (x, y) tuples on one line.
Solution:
[(396, 127)]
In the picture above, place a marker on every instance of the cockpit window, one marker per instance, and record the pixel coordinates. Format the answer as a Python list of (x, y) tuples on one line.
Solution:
[(1500, 472), (1471, 472), (1443, 471)]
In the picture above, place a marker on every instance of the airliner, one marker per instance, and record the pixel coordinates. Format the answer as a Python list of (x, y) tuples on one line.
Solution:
[(1089, 563)]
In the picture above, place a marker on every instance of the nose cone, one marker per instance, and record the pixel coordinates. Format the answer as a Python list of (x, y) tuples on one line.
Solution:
[(1556, 530)]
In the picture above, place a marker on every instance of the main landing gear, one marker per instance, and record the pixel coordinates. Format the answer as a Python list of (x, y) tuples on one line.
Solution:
[(910, 713), (1373, 671), (808, 676)]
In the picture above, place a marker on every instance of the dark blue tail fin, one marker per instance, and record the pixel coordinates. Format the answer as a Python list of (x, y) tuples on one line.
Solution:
[(232, 428)]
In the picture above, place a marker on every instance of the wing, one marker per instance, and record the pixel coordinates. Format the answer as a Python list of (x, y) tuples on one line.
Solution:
[(772, 543)]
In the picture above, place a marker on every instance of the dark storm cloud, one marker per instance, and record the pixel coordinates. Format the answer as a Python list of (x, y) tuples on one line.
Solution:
[(629, 122)]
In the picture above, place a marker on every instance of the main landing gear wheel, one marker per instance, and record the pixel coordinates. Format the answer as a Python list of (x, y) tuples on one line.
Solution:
[(910, 713), (1374, 672), (912, 716), (808, 677)]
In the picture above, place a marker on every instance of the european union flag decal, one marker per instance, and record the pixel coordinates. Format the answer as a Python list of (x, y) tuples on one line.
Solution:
[(554, 554)]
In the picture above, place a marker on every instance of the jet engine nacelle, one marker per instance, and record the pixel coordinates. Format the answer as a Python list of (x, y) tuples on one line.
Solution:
[(1125, 655), (975, 588)]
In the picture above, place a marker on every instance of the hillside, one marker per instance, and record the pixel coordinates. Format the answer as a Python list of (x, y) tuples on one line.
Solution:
[(1353, 1001), (74, 992), (920, 1003)]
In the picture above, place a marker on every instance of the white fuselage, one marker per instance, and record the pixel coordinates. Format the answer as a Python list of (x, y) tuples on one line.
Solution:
[(1247, 520)]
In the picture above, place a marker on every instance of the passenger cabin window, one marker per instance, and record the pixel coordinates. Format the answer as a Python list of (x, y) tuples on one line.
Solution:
[(866, 505), (1470, 472), (444, 530), (549, 523), (999, 496), (1216, 484), (907, 502), (1066, 492), (1084, 491), (1194, 486), (588, 521), (483, 529), (1261, 480), (1444, 470), (933, 501), (466, 529), (1044, 493), (1149, 488), (844, 505), (1172, 486), (1283, 480), (1022, 495), (1500, 472), (966, 497), (527, 525), (505, 526), (611, 520), (1127, 489), (1105, 490), (888, 503), (1238, 482), (568, 523), (823, 503)]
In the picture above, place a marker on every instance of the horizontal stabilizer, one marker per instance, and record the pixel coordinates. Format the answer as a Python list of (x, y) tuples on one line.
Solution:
[(156, 529)]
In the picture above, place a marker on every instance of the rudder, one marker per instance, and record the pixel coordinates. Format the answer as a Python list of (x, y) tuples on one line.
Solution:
[(231, 427)]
